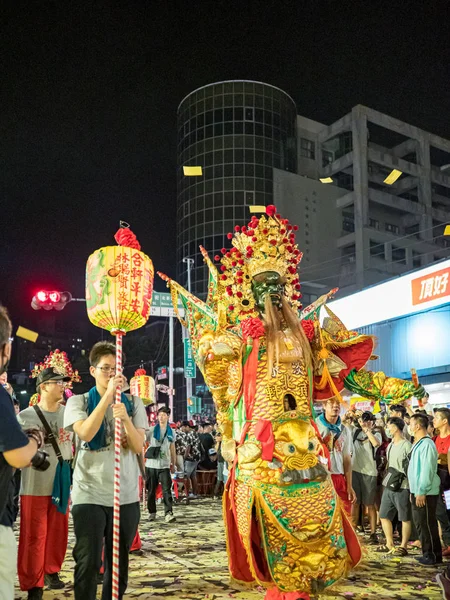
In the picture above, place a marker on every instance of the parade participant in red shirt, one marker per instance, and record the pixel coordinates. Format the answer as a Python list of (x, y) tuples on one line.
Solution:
[(441, 422)]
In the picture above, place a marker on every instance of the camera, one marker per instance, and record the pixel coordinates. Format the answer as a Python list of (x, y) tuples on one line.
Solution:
[(40, 461)]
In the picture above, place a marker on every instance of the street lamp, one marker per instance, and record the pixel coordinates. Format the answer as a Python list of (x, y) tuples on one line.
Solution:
[(189, 263)]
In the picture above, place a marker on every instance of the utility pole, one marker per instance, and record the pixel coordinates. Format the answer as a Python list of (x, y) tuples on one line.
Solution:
[(189, 262), (171, 342)]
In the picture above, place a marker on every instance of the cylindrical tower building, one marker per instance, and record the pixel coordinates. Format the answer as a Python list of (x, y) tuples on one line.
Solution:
[(237, 131)]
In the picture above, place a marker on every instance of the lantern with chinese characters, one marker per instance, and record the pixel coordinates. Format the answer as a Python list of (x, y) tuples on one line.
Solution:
[(143, 386), (119, 286)]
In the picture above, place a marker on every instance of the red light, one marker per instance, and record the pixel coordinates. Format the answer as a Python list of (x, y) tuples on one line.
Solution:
[(54, 296), (42, 296)]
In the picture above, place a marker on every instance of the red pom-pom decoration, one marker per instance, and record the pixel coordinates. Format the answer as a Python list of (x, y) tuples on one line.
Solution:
[(140, 372), (230, 236), (273, 242), (240, 273), (125, 237), (223, 250), (308, 328), (252, 327), (295, 227), (271, 210), (254, 239), (231, 307), (217, 257), (239, 294), (223, 277), (237, 228), (223, 268)]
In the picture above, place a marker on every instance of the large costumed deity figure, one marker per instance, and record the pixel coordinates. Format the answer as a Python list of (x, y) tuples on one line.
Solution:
[(119, 286), (265, 363)]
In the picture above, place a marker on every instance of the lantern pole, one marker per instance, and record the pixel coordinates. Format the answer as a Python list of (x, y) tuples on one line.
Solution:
[(117, 451)]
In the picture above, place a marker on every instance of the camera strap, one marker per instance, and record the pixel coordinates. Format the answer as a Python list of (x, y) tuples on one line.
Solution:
[(49, 432)]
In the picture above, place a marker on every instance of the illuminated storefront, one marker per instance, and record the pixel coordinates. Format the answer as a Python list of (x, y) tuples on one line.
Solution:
[(410, 316)]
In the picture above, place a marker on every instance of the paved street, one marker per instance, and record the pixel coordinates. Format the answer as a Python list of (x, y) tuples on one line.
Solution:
[(187, 560)]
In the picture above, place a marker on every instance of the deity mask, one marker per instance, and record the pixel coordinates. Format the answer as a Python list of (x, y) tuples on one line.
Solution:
[(264, 284)]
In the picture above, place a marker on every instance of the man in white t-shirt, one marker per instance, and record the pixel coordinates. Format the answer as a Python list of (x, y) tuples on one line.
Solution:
[(338, 439), (92, 417), (160, 463)]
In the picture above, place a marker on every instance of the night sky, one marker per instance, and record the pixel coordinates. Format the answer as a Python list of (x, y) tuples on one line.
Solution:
[(89, 92)]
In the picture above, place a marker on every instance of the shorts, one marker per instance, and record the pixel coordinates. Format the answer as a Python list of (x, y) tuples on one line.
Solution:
[(393, 503), (190, 467), (365, 487)]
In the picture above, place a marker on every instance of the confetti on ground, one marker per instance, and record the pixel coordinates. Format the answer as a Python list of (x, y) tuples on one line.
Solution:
[(186, 560)]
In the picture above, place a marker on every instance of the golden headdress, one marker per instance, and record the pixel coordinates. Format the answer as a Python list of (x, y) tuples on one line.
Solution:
[(265, 244)]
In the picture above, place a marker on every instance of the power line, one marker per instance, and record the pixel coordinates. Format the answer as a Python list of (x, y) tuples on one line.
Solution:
[(392, 262), (338, 258)]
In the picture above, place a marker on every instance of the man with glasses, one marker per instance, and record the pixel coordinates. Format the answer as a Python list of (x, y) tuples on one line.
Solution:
[(16, 452), (91, 416), (44, 528)]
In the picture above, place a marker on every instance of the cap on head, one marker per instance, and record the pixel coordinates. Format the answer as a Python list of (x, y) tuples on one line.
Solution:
[(50, 374)]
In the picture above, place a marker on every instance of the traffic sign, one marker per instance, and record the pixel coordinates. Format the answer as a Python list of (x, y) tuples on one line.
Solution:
[(189, 363), (161, 373), (162, 305)]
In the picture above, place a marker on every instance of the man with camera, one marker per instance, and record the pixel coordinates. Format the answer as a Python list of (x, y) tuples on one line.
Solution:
[(16, 451), (365, 443), (160, 462), (44, 515)]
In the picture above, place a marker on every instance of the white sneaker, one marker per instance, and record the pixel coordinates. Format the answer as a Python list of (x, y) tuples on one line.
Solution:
[(152, 517), (169, 518)]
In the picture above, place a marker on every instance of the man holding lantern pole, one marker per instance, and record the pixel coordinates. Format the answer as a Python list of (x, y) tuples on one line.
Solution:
[(91, 416)]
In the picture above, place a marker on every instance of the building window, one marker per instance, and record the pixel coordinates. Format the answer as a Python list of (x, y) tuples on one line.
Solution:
[(249, 197), (413, 230), (374, 223), (348, 222), (327, 158), (416, 259), (249, 114), (377, 250), (392, 228), (398, 255), (307, 148)]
